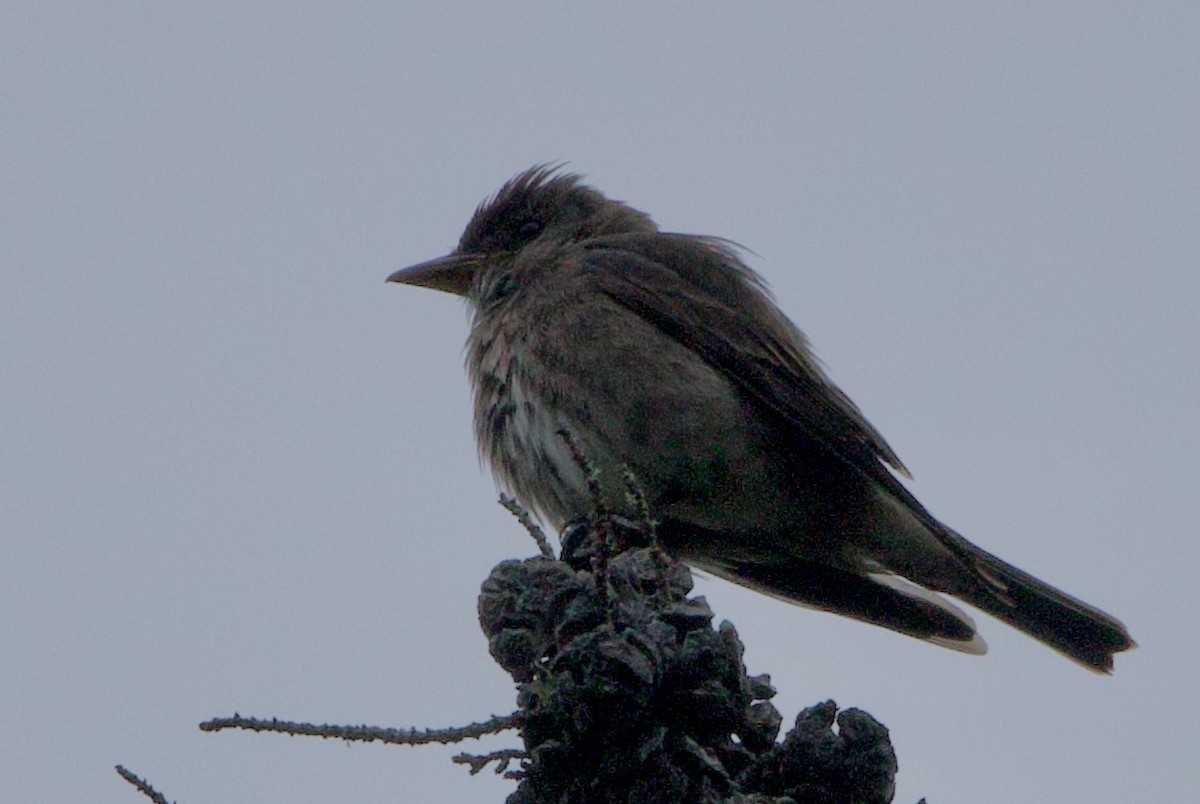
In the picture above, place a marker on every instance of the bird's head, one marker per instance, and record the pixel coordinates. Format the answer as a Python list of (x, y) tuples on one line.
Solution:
[(540, 206)]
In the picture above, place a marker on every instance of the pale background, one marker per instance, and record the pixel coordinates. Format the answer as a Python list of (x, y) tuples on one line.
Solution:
[(237, 469)]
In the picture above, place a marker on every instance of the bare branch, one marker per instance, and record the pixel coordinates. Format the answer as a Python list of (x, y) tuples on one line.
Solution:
[(142, 785), (503, 757), (522, 515), (368, 734)]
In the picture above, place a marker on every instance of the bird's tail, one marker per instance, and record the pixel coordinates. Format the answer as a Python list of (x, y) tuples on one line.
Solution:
[(1080, 632), (881, 598)]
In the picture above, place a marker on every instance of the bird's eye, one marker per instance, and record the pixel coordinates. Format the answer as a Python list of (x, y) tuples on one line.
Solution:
[(528, 231)]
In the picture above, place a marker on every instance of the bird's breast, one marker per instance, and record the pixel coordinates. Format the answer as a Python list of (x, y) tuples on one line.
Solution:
[(630, 398), (522, 410)]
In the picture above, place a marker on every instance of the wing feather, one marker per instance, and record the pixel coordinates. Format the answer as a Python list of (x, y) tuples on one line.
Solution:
[(696, 291)]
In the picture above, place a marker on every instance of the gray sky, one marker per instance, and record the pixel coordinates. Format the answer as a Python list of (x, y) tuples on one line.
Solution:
[(238, 471)]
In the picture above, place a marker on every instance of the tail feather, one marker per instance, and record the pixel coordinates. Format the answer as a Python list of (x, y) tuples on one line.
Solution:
[(877, 598), (1080, 632), (895, 590)]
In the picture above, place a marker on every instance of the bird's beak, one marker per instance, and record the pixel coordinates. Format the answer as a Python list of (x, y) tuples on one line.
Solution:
[(453, 273)]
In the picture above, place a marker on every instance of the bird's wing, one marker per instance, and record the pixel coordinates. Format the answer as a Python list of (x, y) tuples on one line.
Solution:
[(716, 306), (698, 292)]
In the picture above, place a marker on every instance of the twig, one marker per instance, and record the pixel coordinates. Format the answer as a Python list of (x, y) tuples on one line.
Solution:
[(590, 473), (368, 734), (539, 536), (503, 757), (637, 498), (599, 519), (142, 785)]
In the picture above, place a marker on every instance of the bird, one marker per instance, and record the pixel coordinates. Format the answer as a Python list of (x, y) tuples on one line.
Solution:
[(665, 354)]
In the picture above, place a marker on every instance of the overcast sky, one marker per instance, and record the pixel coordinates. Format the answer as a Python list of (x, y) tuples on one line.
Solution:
[(237, 467)]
